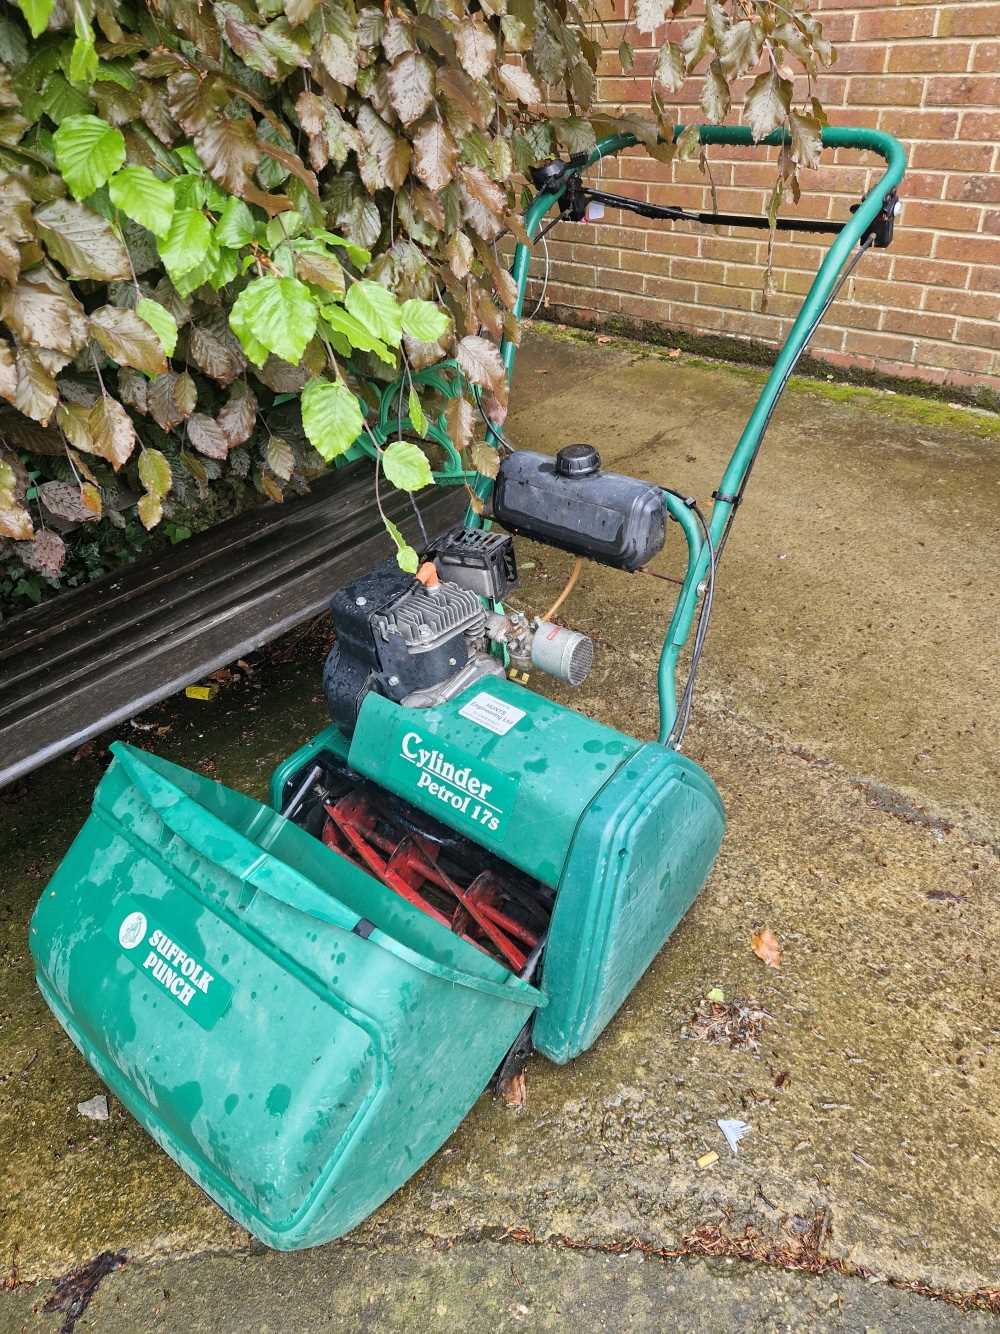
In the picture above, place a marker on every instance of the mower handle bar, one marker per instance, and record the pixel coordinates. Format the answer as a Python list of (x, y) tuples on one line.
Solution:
[(851, 234)]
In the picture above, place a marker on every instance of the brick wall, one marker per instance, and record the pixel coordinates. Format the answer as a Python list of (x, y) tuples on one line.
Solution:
[(928, 308)]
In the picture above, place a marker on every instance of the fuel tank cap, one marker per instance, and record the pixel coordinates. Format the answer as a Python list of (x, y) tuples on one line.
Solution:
[(577, 461)]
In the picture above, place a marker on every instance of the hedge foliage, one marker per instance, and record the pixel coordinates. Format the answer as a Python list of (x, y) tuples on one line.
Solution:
[(211, 210)]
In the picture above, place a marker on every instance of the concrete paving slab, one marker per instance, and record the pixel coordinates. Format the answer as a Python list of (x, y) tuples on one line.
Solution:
[(846, 713), (484, 1288)]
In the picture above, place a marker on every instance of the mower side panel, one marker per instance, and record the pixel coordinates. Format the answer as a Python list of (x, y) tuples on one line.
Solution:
[(642, 851), (199, 950), (507, 767)]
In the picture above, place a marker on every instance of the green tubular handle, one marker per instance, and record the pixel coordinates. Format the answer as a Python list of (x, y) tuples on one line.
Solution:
[(838, 255)]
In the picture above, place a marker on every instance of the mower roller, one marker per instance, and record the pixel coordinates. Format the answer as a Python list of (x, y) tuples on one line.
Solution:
[(301, 1000)]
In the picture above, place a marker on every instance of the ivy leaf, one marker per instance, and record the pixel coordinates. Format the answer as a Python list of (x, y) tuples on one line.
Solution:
[(154, 472), (278, 314), (144, 197), (112, 433), (424, 321), (767, 103), (520, 84), (331, 417), (37, 13), (88, 151), (670, 69), (83, 242), (377, 309), (406, 466), (415, 410), (150, 510), (186, 244), (406, 558), (235, 227), (160, 321)]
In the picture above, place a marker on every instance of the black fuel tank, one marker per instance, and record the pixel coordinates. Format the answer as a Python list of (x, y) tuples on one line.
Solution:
[(568, 502)]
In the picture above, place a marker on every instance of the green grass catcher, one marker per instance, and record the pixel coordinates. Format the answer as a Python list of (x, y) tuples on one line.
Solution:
[(301, 1000)]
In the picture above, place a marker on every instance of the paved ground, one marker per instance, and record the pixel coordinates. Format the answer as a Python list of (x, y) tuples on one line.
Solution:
[(848, 713)]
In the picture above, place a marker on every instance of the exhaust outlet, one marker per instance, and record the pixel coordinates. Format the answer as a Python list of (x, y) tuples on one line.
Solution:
[(565, 654)]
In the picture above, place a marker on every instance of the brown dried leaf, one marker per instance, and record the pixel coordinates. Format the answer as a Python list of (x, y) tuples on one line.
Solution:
[(238, 415), (45, 554), (460, 416), (766, 947), (15, 521), (36, 393), (128, 340), (230, 151), (41, 310), (477, 48), (480, 361), (435, 154), (66, 501), (215, 349), (112, 432), (83, 242), (207, 436), (280, 458), (171, 399)]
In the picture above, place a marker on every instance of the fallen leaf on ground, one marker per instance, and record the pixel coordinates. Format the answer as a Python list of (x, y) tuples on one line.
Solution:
[(514, 1091), (765, 945), (738, 1024)]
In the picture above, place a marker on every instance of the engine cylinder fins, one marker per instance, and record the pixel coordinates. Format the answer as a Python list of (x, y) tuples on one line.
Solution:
[(565, 654)]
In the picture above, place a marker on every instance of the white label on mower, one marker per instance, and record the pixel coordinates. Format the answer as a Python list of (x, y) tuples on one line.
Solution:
[(491, 713)]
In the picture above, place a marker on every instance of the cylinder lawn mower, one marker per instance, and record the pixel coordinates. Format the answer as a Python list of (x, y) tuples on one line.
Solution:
[(300, 1001)]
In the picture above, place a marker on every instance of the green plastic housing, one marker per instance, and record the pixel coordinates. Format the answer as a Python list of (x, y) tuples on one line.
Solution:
[(199, 950)]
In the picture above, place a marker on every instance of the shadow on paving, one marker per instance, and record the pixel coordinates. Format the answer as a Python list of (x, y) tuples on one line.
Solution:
[(845, 710)]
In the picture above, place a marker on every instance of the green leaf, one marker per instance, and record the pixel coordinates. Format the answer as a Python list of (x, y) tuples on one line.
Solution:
[(37, 13), (406, 558), (186, 244), (83, 61), (416, 412), (144, 197), (424, 321), (279, 313), (716, 995), (377, 309), (154, 472), (358, 255), (160, 321), (342, 322), (236, 226), (331, 417), (88, 151), (406, 466), (283, 228)]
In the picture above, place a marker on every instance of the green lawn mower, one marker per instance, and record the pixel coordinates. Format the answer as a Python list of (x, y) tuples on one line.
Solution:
[(300, 1001)]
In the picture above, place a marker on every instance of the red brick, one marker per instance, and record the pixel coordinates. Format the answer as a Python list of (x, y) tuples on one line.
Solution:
[(968, 20), (975, 305), (952, 157), (950, 355), (905, 295), (940, 217), (981, 125), (888, 23), (982, 188), (880, 345), (856, 59), (986, 334), (974, 249), (668, 289), (910, 125), (974, 90), (933, 272), (886, 92), (929, 57), (919, 324), (986, 57)]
